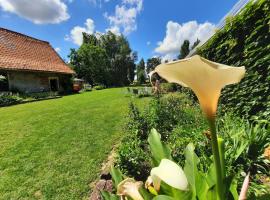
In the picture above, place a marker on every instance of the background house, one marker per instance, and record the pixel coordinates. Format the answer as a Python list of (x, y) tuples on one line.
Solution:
[(31, 65)]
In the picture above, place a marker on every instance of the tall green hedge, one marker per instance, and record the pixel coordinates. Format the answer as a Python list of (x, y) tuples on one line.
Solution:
[(245, 41)]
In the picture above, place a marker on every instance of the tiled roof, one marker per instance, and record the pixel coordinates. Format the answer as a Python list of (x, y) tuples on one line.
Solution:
[(21, 52)]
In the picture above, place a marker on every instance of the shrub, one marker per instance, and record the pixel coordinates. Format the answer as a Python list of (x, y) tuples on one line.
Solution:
[(6, 100), (133, 158), (99, 87), (168, 87), (165, 114)]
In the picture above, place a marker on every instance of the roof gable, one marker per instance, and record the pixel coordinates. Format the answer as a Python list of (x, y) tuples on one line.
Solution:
[(21, 52)]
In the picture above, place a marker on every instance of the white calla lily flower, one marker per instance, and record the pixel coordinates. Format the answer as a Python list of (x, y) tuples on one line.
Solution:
[(129, 187), (204, 77), (170, 173)]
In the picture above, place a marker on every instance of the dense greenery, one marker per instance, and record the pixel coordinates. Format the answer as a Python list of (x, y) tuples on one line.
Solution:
[(184, 50), (244, 41), (152, 63), (6, 100), (180, 121), (104, 59), (140, 69), (53, 149)]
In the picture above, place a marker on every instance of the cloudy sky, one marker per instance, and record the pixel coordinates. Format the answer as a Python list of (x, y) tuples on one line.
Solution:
[(153, 27)]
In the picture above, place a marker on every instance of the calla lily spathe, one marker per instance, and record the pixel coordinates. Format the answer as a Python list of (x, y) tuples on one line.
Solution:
[(170, 173), (129, 187), (204, 77)]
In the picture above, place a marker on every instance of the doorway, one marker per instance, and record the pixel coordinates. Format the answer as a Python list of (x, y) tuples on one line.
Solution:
[(3, 81), (54, 84)]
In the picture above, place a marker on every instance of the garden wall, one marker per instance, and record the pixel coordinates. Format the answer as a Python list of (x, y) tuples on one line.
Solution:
[(245, 41)]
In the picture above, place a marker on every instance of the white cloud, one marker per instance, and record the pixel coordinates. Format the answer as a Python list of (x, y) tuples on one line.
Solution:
[(124, 18), (148, 43), (39, 11), (57, 49), (76, 33), (177, 33)]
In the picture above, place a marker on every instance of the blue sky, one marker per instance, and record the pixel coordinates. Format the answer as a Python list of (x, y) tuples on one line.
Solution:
[(153, 27)]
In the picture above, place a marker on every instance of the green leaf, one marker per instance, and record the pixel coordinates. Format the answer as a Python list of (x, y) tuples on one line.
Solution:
[(175, 193), (195, 178), (158, 149), (163, 197), (117, 176), (109, 196), (145, 194), (233, 189)]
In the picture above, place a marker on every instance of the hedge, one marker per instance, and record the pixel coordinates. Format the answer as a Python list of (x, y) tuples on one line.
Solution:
[(245, 41)]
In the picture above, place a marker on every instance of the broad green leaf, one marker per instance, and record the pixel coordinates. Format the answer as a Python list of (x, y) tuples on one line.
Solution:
[(211, 176), (175, 193), (163, 197), (109, 196), (145, 194), (158, 149), (117, 176), (211, 194), (233, 189), (195, 178)]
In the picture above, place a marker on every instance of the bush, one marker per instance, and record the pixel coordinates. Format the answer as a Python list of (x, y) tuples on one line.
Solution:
[(99, 87), (165, 114), (168, 87), (6, 100), (180, 121)]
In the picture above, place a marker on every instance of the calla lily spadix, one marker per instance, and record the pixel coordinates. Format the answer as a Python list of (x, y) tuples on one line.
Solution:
[(204, 77), (170, 173), (129, 187)]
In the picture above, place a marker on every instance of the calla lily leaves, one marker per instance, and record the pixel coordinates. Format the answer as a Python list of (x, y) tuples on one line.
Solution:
[(204, 77)]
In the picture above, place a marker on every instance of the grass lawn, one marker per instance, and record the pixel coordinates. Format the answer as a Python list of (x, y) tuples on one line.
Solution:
[(53, 149)]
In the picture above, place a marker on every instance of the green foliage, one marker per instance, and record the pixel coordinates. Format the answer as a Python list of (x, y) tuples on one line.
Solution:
[(184, 50), (152, 63), (141, 77), (168, 87), (6, 100), (99, 87), (158, 150), (244, 41), (166, 114), (107, 60)]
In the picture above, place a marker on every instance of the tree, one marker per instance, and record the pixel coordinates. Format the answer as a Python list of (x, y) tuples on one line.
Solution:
[(93, 64), (141, 72), (184, 50), (106, 58), (195, 43), (152, 63)]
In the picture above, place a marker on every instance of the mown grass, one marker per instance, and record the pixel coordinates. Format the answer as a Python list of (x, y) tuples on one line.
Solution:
[(53, 149)]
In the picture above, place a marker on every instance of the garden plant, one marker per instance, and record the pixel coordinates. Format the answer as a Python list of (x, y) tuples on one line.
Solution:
[(168, 180)]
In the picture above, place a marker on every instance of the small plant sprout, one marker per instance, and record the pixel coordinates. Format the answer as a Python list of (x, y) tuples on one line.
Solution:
[(206, 79)]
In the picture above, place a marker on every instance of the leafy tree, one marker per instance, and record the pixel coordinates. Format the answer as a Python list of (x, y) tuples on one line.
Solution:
[(195, 43), (93, 64), (152, 63), (116, 66), (184, 50), (141, 72)]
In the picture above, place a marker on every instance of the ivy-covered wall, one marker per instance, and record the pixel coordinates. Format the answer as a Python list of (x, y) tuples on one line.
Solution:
[(245, 41)]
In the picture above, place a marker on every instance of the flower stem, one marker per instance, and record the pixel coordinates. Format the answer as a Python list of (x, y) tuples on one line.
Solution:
[(216, 155)]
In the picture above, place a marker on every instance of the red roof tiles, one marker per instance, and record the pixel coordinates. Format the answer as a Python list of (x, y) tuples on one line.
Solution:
[(21, 52)]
